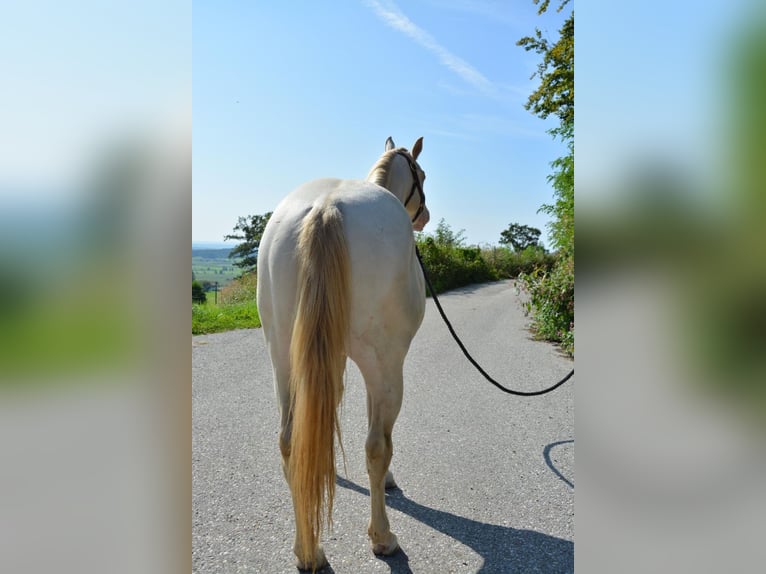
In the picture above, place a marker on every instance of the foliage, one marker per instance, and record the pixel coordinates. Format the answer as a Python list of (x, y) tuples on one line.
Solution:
[(249, 230), (449, 263), (520, 236), (562, 179), (452, 264), (446, 237), (552, 293), (507, 263), (555, 94), (552, 302), (198, 292), (241, 289), (236, 309)]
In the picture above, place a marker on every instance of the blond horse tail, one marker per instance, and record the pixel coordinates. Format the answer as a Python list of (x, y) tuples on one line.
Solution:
[(317, 360)]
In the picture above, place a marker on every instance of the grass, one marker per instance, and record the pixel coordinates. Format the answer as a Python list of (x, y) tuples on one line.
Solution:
[(211, 318), (236, 308)]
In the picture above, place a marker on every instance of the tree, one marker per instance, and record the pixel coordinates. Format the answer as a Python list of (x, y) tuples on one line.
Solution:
[(520, 236), (552, 294), (555, 95), (249, 230), (198, 293), (444, 235), (562, 227)]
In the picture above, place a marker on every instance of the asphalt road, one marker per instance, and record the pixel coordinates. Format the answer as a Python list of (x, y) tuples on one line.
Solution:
[(486, 480)]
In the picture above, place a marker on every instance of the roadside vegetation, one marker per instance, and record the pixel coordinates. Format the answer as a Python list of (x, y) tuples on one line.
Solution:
[(451, 263), (235, 309)]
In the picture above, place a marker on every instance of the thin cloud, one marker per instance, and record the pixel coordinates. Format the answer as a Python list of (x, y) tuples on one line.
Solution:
[(394, 17)]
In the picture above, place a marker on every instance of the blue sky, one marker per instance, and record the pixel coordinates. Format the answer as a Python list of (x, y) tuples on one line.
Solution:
[(288, 92)]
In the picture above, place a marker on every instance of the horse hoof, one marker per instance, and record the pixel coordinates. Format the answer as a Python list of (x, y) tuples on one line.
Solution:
[(388, 548), (319, 562), (390, 482)]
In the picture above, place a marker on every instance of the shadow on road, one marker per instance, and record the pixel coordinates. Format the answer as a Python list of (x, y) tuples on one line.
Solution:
[(503, 549)]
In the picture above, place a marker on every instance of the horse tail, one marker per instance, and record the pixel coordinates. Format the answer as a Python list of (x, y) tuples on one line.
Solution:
[(317, 360)]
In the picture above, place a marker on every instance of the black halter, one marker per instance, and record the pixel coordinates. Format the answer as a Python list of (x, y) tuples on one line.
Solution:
[(415, 185)]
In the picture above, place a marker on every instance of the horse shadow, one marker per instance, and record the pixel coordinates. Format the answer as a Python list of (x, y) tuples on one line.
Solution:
[(504, 550)]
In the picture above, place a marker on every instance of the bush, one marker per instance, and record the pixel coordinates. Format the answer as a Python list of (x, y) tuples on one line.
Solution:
[(198, 293), (451, 266), (242, 289), (552, 302), (510, 264)]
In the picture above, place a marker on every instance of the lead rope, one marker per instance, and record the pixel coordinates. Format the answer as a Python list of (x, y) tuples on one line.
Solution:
[(468, 355)]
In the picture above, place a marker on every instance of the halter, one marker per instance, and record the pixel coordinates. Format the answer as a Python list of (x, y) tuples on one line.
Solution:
[(415, 185)]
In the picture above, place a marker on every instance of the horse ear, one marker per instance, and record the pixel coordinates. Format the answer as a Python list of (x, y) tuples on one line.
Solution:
[(389, 144), (416, 149)]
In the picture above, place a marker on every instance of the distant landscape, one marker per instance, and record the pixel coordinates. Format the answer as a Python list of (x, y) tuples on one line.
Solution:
[(213, 265)]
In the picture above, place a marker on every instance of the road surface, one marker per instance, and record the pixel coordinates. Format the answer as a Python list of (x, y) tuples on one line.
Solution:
[(486, 480)]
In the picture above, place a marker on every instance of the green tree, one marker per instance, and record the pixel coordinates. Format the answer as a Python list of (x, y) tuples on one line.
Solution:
[(562, 226), (552, 294), (555, 94), (198, 293), (520, 236), (444, 235), (249, 231)]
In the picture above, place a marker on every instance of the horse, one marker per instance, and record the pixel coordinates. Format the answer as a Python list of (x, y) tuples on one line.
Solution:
[(338, 278)]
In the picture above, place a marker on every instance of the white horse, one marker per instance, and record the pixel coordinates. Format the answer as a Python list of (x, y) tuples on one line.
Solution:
[(337, 278)]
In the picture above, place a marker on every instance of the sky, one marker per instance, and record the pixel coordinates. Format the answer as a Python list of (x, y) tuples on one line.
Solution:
[(289, 92)]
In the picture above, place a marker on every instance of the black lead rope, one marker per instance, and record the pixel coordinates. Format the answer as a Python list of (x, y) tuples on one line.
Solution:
[(468, 355)]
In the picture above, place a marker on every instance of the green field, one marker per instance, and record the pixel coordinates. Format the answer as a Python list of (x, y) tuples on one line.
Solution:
[(214, 265)]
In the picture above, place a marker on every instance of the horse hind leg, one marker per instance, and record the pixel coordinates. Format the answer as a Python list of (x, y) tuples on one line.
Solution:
[(384, 399), (379, 451), (390, 482)]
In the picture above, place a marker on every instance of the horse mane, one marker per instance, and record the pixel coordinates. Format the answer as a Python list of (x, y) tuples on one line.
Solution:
[(379, 172)]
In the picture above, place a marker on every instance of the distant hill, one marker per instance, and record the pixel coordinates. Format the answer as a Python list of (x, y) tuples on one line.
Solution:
[(214, 244), (211, 253)]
